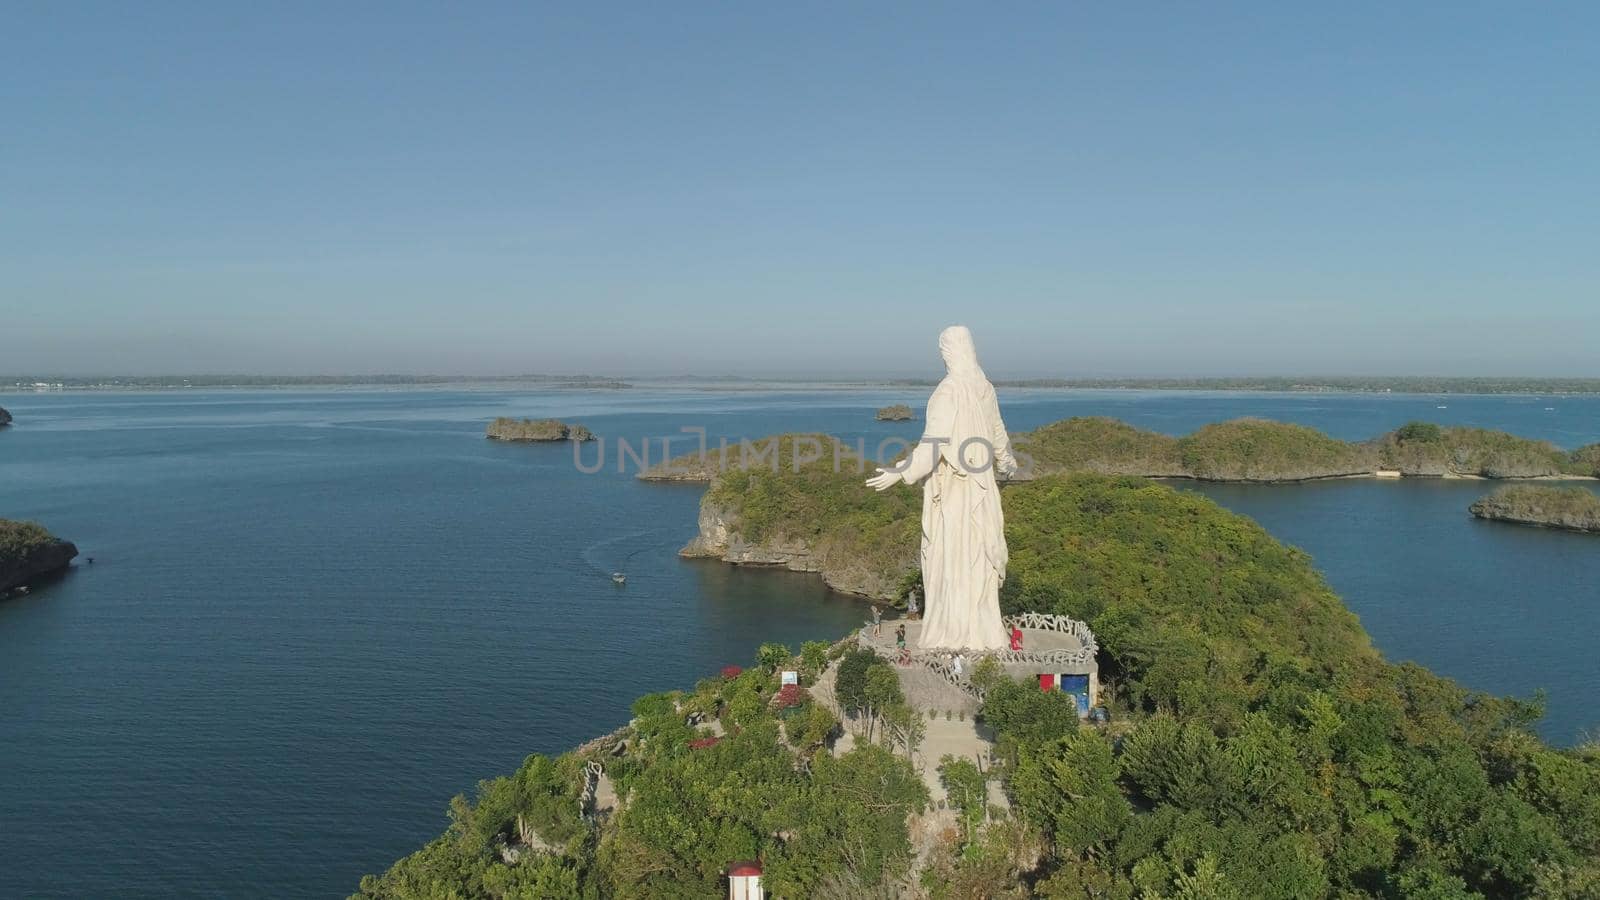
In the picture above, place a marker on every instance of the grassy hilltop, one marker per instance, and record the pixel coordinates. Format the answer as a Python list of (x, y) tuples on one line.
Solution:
[(1260, 747)]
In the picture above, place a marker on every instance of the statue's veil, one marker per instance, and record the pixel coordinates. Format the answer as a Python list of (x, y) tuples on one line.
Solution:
[(960, 355)]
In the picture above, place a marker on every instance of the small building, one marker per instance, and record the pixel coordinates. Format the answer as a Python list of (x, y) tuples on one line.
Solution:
[(744, 881), (1073, 684)]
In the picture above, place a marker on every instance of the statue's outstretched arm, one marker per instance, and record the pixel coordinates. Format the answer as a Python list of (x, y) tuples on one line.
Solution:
[(919, 464), (1004, 462)]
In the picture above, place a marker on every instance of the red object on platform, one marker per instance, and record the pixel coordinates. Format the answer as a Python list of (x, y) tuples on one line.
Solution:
[(1016, 638), (1047, 682)]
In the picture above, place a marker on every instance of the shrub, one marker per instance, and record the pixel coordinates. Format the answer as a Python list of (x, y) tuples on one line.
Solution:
[(814, 656), (774, 656), (1419, 431)]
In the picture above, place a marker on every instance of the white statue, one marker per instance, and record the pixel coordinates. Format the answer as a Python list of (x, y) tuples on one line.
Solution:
[(963, 531)]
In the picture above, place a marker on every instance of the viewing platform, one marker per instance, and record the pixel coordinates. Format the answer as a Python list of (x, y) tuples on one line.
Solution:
[(1055, 651)]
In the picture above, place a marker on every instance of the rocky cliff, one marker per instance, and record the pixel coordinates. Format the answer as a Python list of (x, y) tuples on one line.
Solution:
[(721, 538), (27, 551), (504, 429), (814, 516)]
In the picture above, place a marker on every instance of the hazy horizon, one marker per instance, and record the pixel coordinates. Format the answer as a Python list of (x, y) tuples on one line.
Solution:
[(9, 379), (789, 191)]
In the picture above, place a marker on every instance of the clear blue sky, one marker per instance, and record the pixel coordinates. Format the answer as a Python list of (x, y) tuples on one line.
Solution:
[(800, 188)]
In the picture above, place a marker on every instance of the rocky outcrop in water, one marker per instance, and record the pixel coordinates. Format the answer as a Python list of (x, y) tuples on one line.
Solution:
[(28, 551), (1566, 508), (5, 417), (505, 429), (897, 413)]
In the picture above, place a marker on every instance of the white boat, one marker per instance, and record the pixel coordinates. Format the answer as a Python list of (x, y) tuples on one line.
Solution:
[(619, 578)]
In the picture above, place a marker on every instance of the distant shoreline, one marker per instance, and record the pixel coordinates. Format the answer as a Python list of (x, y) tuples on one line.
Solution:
[(1402, 385)]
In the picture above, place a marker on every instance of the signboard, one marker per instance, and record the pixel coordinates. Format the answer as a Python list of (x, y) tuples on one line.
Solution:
[(791, 677)]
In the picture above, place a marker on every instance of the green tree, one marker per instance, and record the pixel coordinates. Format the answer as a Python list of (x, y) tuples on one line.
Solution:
[(814, 656), (882, 692), (850, 680), (774, 656), (1020, 713), (691, 813), (967, 792), (848, 825), (904, 726), (1069, 788)]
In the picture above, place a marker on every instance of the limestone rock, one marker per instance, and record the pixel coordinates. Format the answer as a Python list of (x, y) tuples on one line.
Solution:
[(27, 552)]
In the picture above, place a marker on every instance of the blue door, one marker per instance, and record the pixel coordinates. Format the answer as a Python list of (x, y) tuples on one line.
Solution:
[(1078, 687)]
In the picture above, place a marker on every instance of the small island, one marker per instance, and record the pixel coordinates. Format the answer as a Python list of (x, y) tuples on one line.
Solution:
[(1566, 508), (507, 429), (896, 413), (28, 551), (5, 417)]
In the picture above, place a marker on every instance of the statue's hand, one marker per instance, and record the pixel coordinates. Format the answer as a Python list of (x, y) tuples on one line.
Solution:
[(884, 480)]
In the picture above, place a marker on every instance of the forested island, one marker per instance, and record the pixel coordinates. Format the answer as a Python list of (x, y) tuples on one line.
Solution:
[(506, 429), (28, 551), (896, 413), (1566, 508), (1241, 450), (1257, 744)]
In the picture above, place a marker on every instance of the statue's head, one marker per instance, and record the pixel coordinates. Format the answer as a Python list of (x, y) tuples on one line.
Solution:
[(955, 345)]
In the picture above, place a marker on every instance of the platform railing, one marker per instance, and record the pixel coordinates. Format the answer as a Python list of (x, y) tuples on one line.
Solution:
[(942, 662)]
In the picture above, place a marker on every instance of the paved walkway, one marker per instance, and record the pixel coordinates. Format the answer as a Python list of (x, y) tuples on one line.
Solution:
[(958, 736)]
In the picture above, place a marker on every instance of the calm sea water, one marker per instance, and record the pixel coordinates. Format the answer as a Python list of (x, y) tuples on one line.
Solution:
[(314, 616)]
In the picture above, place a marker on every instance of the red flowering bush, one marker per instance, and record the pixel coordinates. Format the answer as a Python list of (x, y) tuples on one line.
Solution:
[(731, 672)]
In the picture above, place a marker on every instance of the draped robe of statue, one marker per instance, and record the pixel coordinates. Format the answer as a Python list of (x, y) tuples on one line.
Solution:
[(963, 529)]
